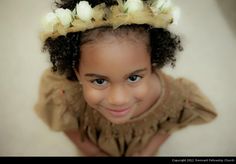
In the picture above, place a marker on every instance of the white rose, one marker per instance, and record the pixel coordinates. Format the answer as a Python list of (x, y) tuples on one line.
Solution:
[(176, 13), (65, 16), (84, 11), (49, 21), (161, 5), (133, 5)]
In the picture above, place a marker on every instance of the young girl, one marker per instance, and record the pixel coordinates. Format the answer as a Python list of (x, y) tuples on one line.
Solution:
[(106, 90)]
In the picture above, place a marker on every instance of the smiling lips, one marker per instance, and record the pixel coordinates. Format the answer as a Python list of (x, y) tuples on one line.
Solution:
[(119, 112)]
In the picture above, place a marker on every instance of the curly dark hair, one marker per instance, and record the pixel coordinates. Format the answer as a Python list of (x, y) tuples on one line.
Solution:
[(70, 4), (64, 51)]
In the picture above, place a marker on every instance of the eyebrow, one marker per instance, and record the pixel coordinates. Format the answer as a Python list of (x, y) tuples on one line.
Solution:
[(105, 77)]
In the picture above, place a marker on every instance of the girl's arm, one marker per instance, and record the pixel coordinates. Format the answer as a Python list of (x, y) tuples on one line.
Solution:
[(153, 146), (86, 147)]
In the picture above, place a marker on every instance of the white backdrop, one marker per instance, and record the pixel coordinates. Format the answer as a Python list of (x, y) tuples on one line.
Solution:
[(208, 30)]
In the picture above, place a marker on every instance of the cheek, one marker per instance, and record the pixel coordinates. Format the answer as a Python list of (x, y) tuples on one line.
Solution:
[(141, 92), (92, 96)]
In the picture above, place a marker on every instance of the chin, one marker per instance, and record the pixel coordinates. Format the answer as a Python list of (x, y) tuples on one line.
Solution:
[(118, 121)]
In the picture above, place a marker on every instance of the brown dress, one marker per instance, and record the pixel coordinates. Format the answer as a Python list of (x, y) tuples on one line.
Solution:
[(62, 107)]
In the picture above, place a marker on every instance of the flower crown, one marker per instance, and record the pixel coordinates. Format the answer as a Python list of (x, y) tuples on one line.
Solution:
[(157, 13)]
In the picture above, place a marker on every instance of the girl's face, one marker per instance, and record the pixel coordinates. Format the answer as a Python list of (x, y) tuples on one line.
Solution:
[(116, 77)]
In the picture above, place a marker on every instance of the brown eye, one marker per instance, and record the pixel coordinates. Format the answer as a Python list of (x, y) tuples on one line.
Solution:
[(134, 78), (99, 82)]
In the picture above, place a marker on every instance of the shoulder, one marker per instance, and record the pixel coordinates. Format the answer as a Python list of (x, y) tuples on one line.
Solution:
[(183, 86), (59, 101), (194, 106), (54, 81), (49, 77)]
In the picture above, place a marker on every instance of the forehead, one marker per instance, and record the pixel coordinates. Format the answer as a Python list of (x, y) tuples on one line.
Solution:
[(135, 34), (114, 54)]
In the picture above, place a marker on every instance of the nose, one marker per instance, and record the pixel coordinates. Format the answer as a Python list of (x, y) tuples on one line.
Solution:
[(118, 96)]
